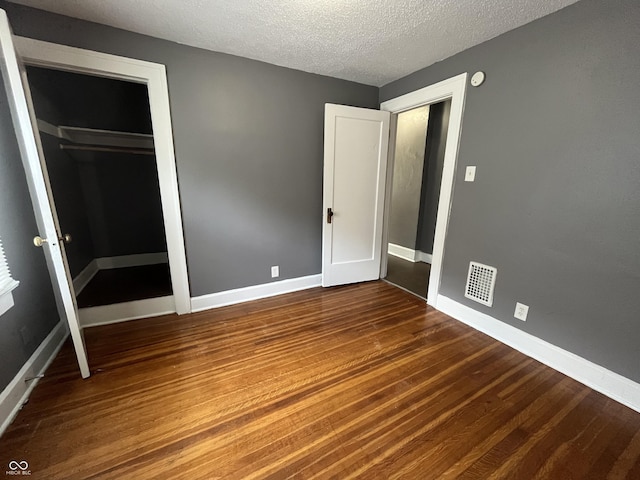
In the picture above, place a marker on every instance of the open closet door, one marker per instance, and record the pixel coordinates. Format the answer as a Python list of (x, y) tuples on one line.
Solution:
[(47, 237), (355, 164)]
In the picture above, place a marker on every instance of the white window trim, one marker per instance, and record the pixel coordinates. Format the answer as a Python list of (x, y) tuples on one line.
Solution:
[(9, 284)]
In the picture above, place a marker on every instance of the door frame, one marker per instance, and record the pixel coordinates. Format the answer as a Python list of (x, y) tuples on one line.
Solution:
[(153, 75), (455, 89)]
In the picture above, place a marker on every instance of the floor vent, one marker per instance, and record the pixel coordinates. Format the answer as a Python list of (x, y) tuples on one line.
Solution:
[(480, 282)]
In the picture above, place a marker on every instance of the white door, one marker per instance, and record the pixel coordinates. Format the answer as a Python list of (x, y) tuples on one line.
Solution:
[(17, 99), (355, 164)]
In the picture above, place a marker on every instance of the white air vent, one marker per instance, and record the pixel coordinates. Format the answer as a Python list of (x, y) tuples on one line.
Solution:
[(480, 282)]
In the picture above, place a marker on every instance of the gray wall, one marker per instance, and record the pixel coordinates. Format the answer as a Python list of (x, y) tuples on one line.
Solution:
[(411, 137), (35, 307), (248, 140), (554, 134), (432, 174)]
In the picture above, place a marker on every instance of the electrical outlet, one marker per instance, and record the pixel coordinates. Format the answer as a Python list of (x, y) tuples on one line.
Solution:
[(275, 271), (521, 311), (470, 174)]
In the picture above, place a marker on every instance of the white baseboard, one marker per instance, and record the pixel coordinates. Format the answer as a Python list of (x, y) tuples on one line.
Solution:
[(106, 263), (18, 391), (122, 312), (402, 252), (409, 254), (137, 260), (609, 383), (424, 257), (239, 295), (85, 276)]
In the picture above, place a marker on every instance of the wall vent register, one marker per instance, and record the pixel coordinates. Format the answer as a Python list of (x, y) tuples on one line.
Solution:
[(481, 281)]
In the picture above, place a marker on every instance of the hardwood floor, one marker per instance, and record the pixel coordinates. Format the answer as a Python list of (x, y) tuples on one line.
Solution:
[(414, 276), (363, 381)]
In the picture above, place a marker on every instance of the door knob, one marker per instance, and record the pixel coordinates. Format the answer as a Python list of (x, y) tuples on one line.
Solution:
[(66, 238), (38, 241), (329, 215)]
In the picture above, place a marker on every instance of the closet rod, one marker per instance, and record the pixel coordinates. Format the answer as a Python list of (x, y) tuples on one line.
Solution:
[(91, 148)]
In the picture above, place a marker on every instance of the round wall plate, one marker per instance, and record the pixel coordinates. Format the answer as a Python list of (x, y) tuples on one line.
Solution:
[(477, 79)]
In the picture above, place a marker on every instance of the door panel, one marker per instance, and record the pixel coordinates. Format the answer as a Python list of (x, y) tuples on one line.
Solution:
[(45, 176), (355, 161), (16, 95)]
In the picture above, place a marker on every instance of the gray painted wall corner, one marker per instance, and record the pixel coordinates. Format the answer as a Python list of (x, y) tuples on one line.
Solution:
[(554, 134)]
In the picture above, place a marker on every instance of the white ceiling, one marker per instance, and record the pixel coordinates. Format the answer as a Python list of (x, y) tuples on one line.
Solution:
[(368, 41)]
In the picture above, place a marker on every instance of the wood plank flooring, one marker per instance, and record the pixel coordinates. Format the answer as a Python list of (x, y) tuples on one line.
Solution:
[(362, 381), (414, 276)]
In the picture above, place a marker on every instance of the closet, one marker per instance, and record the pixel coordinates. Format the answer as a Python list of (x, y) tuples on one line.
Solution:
[(97, 140)]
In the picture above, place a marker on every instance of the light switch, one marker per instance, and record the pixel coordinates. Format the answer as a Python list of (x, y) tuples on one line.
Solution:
[(470, 174)]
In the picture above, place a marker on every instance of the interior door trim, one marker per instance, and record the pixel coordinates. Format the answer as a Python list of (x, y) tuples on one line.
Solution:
[(153, 75), (454, 88)]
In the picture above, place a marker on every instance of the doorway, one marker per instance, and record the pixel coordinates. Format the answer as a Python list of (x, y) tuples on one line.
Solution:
[(152, 77), (453, 89), (420, 142), (97, 139), (372, 235)]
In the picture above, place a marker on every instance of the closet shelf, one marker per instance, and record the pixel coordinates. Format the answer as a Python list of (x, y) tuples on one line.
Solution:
[(93, 137), (97, 148), (107, 138)]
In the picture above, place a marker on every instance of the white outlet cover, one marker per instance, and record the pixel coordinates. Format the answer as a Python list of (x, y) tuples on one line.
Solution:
[(521, 312), (275, 271), (470, 174)]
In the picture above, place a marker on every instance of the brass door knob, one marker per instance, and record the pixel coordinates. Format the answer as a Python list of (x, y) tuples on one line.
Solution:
[(38, 241), (66, 238)]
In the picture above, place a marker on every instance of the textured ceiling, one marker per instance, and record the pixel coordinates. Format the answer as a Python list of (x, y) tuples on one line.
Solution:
[(368, 41)]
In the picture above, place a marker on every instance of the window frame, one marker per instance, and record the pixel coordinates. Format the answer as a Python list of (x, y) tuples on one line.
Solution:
[(8, 283)]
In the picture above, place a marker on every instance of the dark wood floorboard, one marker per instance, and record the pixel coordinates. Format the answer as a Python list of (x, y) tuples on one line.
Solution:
[(125, 285), (364, 381), (414, 276)]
